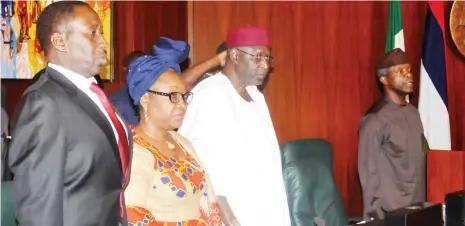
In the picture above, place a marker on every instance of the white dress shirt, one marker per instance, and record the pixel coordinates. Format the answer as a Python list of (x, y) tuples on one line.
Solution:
[(83, 84), (237, 143)]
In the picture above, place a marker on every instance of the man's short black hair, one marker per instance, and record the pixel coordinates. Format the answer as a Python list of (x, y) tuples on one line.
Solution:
[(52, 17), (132, 56), (222, 47)]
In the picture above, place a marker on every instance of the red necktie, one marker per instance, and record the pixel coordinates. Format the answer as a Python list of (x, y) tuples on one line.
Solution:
[(122, 140)]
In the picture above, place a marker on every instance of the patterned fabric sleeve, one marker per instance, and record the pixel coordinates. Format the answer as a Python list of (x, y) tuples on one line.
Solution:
[(136, 192), (139, 216), (209, 208), (214, 216), (211, 215)]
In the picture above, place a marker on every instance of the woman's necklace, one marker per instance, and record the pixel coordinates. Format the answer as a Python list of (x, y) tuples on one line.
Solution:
[(170, 145)]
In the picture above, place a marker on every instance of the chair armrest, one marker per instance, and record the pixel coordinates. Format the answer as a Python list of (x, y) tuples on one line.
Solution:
[(354, 220)]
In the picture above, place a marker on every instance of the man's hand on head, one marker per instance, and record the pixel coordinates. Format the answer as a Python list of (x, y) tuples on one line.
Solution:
[(222, 58)]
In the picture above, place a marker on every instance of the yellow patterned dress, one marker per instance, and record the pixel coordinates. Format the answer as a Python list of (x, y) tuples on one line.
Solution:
[(166, 192)]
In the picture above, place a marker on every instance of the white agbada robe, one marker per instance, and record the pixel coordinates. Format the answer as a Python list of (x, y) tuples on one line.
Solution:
[(237, 143)]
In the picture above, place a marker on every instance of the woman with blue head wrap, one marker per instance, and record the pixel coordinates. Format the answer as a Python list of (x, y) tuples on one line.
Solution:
[(169, 184)]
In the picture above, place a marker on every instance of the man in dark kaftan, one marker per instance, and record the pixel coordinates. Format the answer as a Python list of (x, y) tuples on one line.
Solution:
[(391, 163)]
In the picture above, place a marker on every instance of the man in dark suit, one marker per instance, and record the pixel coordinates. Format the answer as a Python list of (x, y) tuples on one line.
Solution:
[(41, 72), (69, 151), (4, 145)]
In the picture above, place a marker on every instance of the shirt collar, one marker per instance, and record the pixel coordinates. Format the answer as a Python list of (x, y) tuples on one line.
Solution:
[(77, 79), (392, 105)]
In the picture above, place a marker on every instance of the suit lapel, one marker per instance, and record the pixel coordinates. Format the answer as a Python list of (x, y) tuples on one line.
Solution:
[(130, 146), (87, 105)]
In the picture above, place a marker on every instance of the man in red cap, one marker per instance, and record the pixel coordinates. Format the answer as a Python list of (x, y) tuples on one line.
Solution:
[(230, 126), (391, 163)]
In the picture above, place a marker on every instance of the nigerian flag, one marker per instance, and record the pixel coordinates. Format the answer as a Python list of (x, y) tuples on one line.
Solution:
[(395, 33), (395, 39)]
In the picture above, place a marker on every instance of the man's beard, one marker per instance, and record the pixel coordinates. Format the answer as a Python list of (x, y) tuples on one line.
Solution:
[(398, 91)]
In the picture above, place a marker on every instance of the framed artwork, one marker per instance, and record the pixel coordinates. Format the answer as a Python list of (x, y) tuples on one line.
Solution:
[(22, 56), (457, 25)]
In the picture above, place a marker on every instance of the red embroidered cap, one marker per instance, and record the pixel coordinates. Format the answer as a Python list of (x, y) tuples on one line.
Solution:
[(247, 36)]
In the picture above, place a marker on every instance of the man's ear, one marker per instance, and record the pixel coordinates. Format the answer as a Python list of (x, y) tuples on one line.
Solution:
[(234, 55), (58, 41), (384, 80)]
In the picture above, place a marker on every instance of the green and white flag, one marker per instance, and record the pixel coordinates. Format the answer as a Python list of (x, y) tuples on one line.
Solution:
[(395, 33)]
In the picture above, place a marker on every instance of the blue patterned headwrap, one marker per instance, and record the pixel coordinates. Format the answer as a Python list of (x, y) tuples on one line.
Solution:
[(145, 70)]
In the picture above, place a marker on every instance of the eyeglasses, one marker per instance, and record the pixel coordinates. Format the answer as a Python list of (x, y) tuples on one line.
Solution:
[(258, 57), (175, 97)]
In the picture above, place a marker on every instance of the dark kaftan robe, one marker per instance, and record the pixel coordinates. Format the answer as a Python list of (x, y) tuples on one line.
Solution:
[(391, 162)]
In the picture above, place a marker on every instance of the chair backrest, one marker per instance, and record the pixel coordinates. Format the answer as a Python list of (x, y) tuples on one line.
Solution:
[(8, 214), (310, 187), (317, 149)]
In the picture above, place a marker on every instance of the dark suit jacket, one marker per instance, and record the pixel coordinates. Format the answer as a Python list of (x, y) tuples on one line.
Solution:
[(4, 97), (39, 74), (65, 158), (4, 146)]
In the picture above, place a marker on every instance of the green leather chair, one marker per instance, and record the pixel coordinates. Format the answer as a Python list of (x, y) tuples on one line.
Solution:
[(8, 215), (308, 176)]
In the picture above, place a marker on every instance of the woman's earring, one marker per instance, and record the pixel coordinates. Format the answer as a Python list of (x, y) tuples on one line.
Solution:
[(146, 117)]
